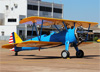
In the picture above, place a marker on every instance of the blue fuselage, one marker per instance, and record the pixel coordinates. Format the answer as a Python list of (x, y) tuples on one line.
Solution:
[(63, 36)]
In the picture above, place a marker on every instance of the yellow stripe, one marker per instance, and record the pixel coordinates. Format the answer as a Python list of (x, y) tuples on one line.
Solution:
[(17, 38)]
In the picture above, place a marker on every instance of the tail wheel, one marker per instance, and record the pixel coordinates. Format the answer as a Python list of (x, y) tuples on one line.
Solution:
[(65, 54), (79, 54), (16, 53)]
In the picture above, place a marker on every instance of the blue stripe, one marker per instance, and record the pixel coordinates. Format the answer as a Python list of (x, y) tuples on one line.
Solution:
[(27, 48), (13, 37)]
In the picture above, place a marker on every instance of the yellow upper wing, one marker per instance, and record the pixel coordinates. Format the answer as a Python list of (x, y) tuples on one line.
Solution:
[(52, 21), (30, 44)]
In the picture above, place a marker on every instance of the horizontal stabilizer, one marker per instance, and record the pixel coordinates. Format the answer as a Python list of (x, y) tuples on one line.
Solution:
[(9, 46)]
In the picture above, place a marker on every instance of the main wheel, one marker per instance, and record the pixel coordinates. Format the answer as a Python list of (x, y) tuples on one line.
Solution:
[(65, 54), (79, 54), (16, 53)]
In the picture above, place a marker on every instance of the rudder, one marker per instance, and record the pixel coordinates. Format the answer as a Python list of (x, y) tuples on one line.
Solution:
[(14, 38)]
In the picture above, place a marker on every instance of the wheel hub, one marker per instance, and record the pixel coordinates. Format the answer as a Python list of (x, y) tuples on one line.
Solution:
[(64, 54)]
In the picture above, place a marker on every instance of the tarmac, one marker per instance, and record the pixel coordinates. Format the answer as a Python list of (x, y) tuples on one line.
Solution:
[(49, 60)]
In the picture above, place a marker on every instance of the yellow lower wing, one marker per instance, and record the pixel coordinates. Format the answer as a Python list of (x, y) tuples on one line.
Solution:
[(30, 44), (9, 46), (37, 44)]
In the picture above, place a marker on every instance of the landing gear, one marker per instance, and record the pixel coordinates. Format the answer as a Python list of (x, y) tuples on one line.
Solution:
[(65, 54), (79, 54), (16, 53)]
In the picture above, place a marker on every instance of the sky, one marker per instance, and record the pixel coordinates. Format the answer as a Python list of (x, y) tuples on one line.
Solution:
[(82, 10)]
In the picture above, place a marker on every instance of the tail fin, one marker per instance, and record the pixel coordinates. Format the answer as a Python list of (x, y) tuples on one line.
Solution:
[(11, 39), (14, 38)]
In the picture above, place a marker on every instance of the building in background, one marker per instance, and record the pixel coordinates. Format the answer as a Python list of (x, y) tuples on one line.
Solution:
[(12, 11), (95, 32), (99, 26)]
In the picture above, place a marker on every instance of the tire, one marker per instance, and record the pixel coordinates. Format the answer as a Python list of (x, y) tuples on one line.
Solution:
[(16, 53), (79, 54), (65, 54)]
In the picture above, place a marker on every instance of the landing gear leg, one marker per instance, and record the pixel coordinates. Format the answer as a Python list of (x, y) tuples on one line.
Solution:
[(16, 53), (65, 53), (79, 53)]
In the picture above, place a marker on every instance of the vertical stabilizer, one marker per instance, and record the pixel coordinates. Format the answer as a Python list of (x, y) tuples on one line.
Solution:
[(14, 38)]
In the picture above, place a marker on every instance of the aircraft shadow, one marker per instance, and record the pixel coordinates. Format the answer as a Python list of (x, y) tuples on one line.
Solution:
[(87, 56), (39, 57), (45, 57), (58, 57), (91, 56), (23, 55)]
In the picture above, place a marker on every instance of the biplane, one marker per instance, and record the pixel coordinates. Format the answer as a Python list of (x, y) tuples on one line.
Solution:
[(72, 32)]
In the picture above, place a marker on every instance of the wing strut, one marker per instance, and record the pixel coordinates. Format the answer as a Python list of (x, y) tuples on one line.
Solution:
[(39, 38), (87, 33), (41, 33), (74, 24), (57, 28), (41, 30), (32, 30), (37, 32), (65, 25)]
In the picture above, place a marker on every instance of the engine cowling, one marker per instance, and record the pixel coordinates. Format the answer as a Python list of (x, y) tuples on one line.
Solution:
[(80, 34)]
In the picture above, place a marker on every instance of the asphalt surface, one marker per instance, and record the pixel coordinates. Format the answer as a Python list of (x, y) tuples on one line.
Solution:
[(49, 60)]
